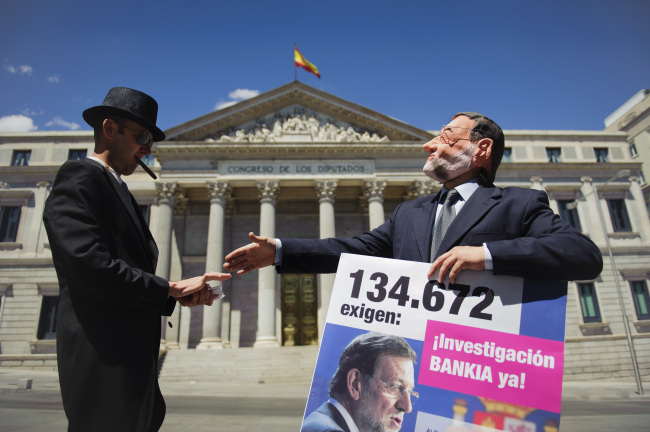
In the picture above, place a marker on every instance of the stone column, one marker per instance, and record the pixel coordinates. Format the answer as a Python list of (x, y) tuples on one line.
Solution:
[(588, 211), (37, 221), (172, 332), (536, 183), (213, 262), (325, 191), (266, 336), (642, 222), (175, 326), (166, 195), (374, 192)]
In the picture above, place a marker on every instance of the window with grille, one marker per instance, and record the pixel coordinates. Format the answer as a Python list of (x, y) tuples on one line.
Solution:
[(641, 299), (9, 219), (569, 214), (47, 321), (21, 157), (554, 154), (589, 303), (619, 216), (77, 154), (507, 155), (602, 154), (633, 151)]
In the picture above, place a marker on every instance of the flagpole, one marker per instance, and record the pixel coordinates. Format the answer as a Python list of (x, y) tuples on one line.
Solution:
[(295, 73)]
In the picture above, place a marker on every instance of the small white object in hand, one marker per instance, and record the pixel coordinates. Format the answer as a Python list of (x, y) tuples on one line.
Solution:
[(217, 292)]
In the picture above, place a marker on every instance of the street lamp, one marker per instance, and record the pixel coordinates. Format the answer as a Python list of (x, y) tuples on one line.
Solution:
[(573, 205)]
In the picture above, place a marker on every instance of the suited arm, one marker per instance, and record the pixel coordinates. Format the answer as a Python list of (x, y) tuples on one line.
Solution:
[(322, 256), (84, 253), (549, 248)]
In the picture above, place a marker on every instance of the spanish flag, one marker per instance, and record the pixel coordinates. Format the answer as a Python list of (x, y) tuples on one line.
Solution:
[(303, 63)]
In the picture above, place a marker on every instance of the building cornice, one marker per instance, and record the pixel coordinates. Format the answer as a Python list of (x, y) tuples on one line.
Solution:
[(166, 151), (292, 94), (46, 136)]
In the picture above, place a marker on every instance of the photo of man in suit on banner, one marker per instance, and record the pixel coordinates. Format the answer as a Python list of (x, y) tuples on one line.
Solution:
[(372, 388)]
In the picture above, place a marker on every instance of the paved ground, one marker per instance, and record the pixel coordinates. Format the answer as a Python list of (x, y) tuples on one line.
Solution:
[(197, 407)]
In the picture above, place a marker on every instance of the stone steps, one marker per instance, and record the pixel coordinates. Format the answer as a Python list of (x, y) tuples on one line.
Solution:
[(290, 365)]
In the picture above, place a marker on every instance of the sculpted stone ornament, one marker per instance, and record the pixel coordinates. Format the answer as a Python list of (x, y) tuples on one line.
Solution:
[(300, 123)]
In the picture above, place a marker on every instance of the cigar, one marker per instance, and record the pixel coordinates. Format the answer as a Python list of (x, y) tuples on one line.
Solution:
[(146, 168)]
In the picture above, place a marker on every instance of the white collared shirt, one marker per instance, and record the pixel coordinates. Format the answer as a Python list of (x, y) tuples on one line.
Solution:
[(465, 191), (110, 170), (346, 415)]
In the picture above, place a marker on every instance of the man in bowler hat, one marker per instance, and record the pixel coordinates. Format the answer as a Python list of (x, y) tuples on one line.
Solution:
[(111, 301)]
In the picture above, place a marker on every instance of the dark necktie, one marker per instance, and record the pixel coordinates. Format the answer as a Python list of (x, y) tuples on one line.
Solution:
[(443, 222), (128, 198)]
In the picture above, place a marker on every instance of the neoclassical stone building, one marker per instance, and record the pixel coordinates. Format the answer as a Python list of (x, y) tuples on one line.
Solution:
[(299, 162), (633, 118)]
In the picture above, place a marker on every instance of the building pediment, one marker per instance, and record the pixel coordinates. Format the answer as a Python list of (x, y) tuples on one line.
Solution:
[(296, 113)]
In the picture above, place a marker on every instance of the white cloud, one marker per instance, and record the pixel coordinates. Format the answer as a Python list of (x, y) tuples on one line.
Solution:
[(58, 121), (241, 94), (20, 70), (222, 104), (235, 96), (17, 123), (53, 79)]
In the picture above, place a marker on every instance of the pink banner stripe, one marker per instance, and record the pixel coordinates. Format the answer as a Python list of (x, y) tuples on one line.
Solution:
[(522, 370)]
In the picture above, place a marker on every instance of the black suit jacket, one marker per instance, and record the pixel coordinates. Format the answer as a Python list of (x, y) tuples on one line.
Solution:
[(326, 418), (521, 231), (110, 302)]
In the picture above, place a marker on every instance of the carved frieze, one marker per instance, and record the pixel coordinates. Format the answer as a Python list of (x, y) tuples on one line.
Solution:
[(296, 124)]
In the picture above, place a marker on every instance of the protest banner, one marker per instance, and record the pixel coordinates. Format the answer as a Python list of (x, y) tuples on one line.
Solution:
[(490, 349)]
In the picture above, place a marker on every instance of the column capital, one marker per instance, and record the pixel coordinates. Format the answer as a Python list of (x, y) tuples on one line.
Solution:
[(586, 179), (268, 191), (536, 183), (373, 190), (325, 190), (422, 188), (166, 191), (218, 191), (42, 184)]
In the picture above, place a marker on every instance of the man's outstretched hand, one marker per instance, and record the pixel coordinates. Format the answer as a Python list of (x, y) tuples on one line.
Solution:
[(260, 253)]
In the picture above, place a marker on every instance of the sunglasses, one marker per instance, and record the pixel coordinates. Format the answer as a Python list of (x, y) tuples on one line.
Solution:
[(143, 138)]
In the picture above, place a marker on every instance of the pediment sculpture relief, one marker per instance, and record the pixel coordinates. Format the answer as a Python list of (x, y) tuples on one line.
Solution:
[(296, 125)]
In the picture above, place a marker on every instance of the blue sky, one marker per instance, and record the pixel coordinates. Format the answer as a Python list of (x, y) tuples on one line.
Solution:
[(528, 65)]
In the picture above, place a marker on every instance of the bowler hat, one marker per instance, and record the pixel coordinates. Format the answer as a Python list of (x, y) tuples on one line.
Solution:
[(130, 104)]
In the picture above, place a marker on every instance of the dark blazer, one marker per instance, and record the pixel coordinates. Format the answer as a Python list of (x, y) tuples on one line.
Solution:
[(110, 302), (326, 418), (522, 233)]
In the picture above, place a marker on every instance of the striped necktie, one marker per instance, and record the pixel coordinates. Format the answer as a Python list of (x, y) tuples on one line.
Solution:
[(443, 222)]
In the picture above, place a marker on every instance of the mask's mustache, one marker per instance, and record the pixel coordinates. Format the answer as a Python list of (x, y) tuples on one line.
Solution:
[(146, 168)]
